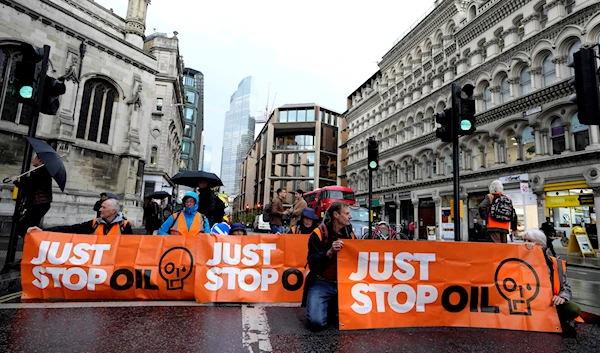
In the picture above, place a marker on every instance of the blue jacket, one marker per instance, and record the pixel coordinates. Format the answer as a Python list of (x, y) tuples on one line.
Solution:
[(188, 213)]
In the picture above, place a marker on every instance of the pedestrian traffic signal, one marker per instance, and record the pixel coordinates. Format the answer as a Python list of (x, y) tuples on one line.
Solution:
[(466, 110), (373, 154), (53, 88), (444, 118), (586, 85), (25, 70)]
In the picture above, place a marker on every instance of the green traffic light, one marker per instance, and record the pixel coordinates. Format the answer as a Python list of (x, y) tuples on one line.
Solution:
[(465, 125), (372, 164), (26, 92)]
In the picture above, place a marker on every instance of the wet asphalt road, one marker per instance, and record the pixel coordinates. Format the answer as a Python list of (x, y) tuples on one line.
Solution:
[(193, 328)]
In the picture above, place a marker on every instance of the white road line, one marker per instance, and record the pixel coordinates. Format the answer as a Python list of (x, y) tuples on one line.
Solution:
[(255, 329), (119, 304)]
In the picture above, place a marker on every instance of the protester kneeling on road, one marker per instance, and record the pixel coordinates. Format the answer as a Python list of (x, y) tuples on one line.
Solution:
[(110, 222), (561, 299), (237, 229), (188, 222), (307, 223), (320, 288)]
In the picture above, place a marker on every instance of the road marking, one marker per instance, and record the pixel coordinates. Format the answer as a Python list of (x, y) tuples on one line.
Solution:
[(10, 296), (67, 305), (255, 329)]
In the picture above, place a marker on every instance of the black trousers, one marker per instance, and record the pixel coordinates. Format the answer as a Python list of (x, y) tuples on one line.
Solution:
[(550, 245), (32, 218)]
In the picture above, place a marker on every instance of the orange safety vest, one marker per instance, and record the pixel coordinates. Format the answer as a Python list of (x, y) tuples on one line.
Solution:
[(559, 268), (179, 226), (114, 230), (491, 223)]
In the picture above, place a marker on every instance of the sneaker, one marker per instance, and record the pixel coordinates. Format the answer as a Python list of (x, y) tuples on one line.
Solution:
[(569, 328)]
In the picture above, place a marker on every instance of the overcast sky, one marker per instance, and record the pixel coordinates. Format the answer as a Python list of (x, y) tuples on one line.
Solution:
[(310, 51)]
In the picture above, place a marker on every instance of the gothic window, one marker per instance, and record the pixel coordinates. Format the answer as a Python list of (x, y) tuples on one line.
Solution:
[(504, 90), (10, 109), (572, 49), (96, 112), (548, 71), (580, 132), (472, 12), (528, 143), (512, 148), (154, 156), (487, 97), (557, 135), (525, 81)]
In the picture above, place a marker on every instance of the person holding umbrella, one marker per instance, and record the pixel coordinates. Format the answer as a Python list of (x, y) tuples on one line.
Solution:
[(209, 203), (188, 222)]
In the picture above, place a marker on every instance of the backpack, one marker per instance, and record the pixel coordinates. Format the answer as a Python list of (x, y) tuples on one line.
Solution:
[(501, 209), (267, 213)]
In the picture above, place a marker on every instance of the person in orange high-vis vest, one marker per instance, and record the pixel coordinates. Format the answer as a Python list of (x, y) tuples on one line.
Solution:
[(188, 222), (497, 231), (110, 222), (568, 311)]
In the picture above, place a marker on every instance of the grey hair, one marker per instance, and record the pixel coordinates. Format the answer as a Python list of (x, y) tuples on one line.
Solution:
[(112, 203), (496, 186), (537, 236)]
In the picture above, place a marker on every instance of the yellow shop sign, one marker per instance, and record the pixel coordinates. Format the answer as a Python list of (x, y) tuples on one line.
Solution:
[(569, 201)]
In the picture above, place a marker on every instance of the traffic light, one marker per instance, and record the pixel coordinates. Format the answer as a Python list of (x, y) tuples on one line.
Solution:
[(258, 205), (586, 95), (53, 88), (444, 118), (373, 154), (466, 110), (25, 74), (247, 208)]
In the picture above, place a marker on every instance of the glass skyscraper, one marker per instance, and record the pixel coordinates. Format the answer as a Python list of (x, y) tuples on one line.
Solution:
[(238, 135)]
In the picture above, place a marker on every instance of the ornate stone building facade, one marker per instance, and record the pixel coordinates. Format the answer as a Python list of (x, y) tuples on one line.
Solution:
[(528, 134), (103, 125)]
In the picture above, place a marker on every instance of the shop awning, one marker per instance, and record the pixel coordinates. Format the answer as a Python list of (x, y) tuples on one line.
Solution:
[(580, 184)]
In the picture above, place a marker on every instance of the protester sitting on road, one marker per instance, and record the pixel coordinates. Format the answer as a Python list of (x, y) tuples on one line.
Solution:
[(561, 299), (307, 223), (110, 222), (188, 222), (237, 229), (320, 288)]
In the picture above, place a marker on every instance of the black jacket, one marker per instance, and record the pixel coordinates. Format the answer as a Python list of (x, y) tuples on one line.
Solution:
[(37, 187), (97, 206), (548, 229), (87, 228), (211, 206)]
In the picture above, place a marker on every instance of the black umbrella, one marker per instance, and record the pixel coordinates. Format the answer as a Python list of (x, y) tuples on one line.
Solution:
[(159, 195), (51, 160), (110, 195), (190, 178)]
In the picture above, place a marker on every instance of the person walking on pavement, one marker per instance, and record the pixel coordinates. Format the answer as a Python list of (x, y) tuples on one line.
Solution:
[(188, 222), (320, 288), (567, 310), (411, 230), (550, 232), (307, 223), (277, 212), (98, 204), (110, 222), (296, 211), (499, 212), (209, 204), (36, 187), (152, 215)]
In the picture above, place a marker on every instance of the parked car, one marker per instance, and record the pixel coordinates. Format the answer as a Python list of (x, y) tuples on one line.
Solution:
[(260, 225), (359, 221)]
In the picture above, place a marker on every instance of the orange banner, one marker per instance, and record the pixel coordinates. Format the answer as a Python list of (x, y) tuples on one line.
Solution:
[(256, 269), (385, 284), (87, 267)]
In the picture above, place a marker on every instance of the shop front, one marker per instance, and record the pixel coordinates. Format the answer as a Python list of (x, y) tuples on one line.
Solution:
[(426, 216), (516, 187), (389, 209), (570, 204), (404, 215)]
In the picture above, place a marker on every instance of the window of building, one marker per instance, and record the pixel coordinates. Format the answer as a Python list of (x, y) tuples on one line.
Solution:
[(283, 116), (301, 116), (572, 49), (188, 131), (189, 114), (504, 90), (159, 104), (525, 81), (512, 148), (310, 158), (528, 143), (548, 71), (292, 116), (10, 109), (153, 156), (149, 187), (310, 115), (581, 133), (310, 171), (297, 171), (190, 97), (186, 147), (487, 97), (557, 134), (189, 80), (96, 110)]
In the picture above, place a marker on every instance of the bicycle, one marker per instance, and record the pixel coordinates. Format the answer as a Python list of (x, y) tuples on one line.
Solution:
[(383, 231)]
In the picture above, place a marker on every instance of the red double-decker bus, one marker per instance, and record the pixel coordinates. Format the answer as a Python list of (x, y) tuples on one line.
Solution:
[(320, 199)]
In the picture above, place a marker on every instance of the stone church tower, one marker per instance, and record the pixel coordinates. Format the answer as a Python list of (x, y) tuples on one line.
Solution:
[(135, 23)]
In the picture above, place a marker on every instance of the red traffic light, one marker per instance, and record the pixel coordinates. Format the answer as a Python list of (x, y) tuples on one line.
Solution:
[(247, 207), (258, 205)]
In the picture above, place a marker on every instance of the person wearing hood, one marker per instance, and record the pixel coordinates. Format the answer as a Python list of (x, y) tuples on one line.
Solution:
[(210, 205), (110, 222), (238, 229), (307, 222), (188, 222)]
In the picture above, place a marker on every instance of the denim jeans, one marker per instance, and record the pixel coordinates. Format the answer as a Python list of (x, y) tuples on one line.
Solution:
[(275, 229), (321, 295)]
